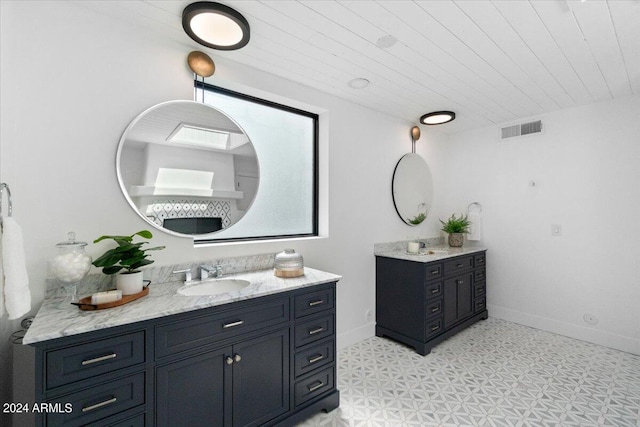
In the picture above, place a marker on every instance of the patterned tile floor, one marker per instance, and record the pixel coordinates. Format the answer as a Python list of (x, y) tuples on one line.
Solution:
[(495, 373)]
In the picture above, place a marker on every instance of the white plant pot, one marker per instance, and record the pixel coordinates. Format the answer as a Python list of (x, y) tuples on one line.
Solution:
[(129, 283)]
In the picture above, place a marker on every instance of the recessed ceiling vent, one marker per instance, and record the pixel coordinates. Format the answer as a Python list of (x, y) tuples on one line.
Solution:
[(521, 129)]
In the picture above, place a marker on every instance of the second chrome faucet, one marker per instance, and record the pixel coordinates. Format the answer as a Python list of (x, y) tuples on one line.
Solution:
[(210, 271)]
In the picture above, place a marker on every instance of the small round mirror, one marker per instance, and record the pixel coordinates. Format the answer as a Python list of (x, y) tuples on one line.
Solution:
[(187, 168), (412, 189)]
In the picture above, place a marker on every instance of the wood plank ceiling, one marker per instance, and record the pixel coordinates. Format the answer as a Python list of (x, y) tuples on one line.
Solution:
[(492, 62)]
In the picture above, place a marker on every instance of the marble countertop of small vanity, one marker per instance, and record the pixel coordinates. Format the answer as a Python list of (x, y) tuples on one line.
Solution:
[(52, 322), (440, 253)]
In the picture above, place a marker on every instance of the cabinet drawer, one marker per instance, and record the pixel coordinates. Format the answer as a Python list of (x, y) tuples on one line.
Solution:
[(314, 330), (433, 308), (190, 334), (315, 357), (135, 421), (96, 403), (479, 260), (434, 327), (479, 289), (314, 302), (433, 291), (79, 362), (433, 271), (458, 264), (480, 274), (480, 304), (315, 385)]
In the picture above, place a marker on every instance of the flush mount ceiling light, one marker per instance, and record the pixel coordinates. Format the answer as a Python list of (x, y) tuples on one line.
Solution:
[(215, 25), (437, 117), (359, 83)]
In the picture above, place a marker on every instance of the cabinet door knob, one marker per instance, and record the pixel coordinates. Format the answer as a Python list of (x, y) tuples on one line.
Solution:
[(460, 282), (229, 360), (237, 358)]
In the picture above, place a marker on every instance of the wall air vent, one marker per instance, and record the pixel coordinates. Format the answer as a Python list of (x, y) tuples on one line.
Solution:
[(521, 129)]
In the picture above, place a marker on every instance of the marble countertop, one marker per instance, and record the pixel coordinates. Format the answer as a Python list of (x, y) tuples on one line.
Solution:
[(52, 322), (439, 253)]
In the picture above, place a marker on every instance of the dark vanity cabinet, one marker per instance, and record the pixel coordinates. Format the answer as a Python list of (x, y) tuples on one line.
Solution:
[(262, 362), (423, 303)]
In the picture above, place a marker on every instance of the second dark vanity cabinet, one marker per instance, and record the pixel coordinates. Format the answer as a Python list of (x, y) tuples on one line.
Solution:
[(423, 303)]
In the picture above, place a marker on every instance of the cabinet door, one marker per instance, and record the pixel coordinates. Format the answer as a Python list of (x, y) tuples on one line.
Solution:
[(260, 379), (195, 391), (458, 298)]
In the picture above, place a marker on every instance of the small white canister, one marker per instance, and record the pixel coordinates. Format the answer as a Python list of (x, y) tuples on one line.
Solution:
[(288, 263)]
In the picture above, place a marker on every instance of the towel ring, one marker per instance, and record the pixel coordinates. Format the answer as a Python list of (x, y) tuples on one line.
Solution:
[(3, 187), (478, 205)]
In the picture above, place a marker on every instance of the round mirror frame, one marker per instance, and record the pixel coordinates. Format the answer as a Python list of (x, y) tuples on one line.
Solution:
[(412, 179), (122, 184)]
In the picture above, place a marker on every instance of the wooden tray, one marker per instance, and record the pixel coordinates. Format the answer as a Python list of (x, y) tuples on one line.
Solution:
[(85, 303)]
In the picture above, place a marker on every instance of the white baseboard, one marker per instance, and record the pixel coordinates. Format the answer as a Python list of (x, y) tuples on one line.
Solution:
[(607, 339), (345, 339)]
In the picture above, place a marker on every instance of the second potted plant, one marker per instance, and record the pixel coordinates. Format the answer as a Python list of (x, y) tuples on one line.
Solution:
[(126, 256), (456, 227)]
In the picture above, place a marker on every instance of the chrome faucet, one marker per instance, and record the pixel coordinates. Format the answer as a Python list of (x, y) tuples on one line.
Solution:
[(187, 274), (208, 271)]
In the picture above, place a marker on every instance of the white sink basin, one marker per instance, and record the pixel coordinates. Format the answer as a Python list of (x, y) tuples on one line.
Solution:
[(213, 287)]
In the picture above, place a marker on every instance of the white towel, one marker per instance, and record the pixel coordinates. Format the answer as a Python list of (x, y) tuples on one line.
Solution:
[(17, 296), (475, 229)]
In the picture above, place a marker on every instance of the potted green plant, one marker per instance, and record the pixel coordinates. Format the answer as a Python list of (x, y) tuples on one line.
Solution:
[(127, 256), (456, 227)]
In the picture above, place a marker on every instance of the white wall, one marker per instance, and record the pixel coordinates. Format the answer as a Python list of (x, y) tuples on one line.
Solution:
[(587, 176), (62, 119)]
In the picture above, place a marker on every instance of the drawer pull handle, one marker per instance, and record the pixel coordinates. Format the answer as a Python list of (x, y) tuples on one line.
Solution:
[(435, 291), (459, 265), (436, 308), (435, 328), (315, 387), (99, 405), (435, 271), (316, 331), (99, 359), (318, 302), (232, 324), (315, 359)]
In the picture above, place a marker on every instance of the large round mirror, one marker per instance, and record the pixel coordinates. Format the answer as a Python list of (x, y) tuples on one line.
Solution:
[(412, 189), (187, 168)]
